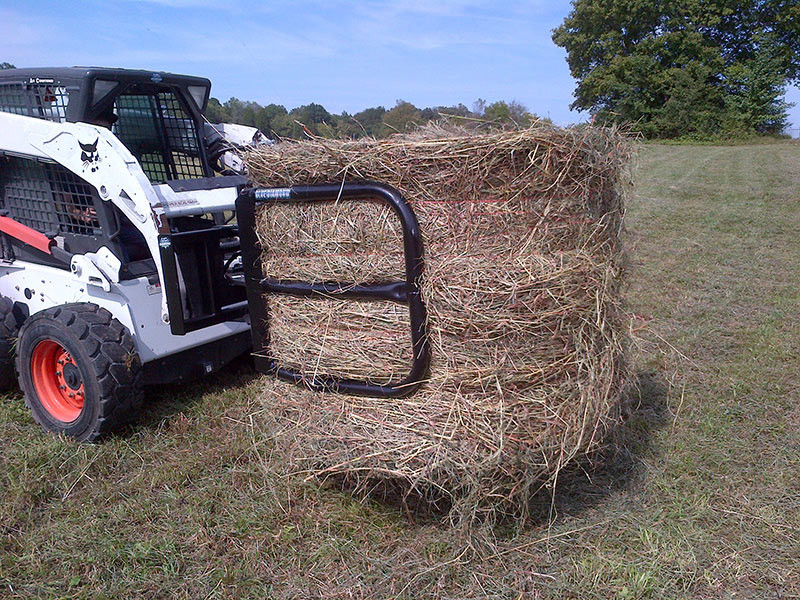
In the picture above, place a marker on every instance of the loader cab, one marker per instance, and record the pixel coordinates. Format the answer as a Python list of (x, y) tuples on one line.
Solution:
[(158, 117)]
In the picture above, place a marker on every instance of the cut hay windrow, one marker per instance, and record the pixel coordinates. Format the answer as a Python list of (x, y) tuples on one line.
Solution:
[(523, 267)]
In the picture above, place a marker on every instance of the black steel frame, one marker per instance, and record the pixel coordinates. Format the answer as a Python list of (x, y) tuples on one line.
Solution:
[(79, 82), (155, 93), (21, 93), (208, 242), (405, 292)]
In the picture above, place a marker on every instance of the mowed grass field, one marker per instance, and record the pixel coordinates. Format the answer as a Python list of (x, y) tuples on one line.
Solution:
[(701, 498)]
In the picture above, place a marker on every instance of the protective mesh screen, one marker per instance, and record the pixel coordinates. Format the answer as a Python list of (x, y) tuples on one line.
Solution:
[(161, 134), (74, 202), (48, 198), (26, 194), (12, 99), (40, 100), (50, 102)]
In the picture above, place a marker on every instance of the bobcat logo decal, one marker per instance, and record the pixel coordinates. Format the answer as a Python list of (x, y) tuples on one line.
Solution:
[(89, 156)]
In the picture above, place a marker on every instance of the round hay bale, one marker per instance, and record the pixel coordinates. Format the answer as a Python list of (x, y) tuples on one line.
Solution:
[(523, 267)]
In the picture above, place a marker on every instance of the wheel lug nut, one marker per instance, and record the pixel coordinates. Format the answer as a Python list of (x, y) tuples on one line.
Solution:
[(62, 387), (72, 395)]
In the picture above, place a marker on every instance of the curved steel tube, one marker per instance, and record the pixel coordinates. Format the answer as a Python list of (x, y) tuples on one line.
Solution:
[(407, 291)]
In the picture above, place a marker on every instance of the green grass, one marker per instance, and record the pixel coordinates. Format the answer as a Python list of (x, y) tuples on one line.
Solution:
[(701, 500)]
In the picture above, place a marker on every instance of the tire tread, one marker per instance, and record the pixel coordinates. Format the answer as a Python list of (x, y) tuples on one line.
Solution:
[(114, 360), (9, 330)]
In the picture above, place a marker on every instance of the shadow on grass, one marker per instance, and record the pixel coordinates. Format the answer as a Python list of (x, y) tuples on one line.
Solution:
[(164, 401), (585, 484), (581, 486)]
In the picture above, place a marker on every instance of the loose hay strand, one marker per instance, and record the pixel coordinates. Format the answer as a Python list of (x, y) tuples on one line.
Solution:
[(522, 283)]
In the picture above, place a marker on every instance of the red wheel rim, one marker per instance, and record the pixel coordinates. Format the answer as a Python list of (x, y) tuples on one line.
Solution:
[(57, 381)]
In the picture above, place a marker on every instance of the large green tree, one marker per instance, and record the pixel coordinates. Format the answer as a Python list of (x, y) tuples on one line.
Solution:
[(402, 118), (691, 67), (371, 119)]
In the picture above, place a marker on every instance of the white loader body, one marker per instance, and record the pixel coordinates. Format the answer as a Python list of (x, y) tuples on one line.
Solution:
[(120, 260), (94, 277)]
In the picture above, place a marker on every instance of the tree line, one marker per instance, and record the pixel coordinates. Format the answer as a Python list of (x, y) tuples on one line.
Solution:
[(276, 121)]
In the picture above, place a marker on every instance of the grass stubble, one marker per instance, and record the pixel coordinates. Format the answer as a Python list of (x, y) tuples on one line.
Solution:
[(699, 500)]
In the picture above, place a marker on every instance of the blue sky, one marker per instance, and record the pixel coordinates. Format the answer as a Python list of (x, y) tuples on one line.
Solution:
[(344, 55)]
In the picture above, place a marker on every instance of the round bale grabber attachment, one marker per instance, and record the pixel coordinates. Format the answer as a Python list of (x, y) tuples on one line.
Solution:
[(406, 291)]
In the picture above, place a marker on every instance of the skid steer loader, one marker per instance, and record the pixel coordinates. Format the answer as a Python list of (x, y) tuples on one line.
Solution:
[(128, 253)]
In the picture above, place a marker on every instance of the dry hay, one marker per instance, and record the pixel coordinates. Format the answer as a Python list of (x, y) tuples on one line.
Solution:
[(522, 283)]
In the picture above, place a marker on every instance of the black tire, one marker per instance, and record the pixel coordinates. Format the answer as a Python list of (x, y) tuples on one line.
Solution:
[(9, 330), (98, 363)]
